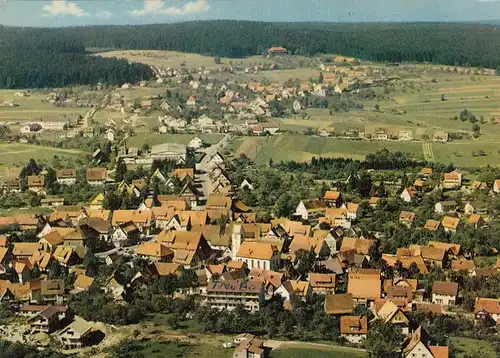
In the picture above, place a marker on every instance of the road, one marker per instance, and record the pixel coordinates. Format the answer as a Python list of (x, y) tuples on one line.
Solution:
[(204, 166)]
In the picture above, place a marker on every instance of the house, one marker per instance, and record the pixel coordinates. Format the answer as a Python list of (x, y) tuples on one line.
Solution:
[(334, 198), (418, 346), (125, 233), (432, 225), (259, 255), (444, 293), (463, 265), (143, 219), (293, 288), (381, 134), (352, 211), (51, 201), (452, 180), (475, 220), (155, 251), (358, 245), (229, 294), (96, 202), (296, 106), (496, 186), (36, 183), (250, 347), (66, 176), (373, 202), (322, 283), (82, 283), (409, 194), (110, 135), (45, 321), (407, 218), (425, 172), (449, 206), (195, 143), (450, 224), (392, 314), (405, 135), (440, 136), (452, 250), (487, 310), (354, 328), (326, 132), (276, 51), (24, 250), (76, 335), (172, 151), (476, 207), (339, 304), (337, 217), (364, 285), (246, 184), (96, 176), (309, 209)]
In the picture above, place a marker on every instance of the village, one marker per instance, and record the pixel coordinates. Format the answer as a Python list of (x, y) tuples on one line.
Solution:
[(164, 210)]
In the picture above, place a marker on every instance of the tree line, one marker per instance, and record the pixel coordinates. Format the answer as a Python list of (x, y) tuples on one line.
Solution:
[(450, 44), (30, 60)]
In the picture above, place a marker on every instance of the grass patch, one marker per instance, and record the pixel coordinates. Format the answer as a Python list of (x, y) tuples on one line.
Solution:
[(15, 211), (157, 138), (18, 155), (333, 352), (467, 347), (175, 349)]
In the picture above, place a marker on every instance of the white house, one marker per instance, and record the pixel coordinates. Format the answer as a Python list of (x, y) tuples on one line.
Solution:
[(296, 106), (409, 194), (310, 208), (246, 184), (195, 143), (110, 135), (217, 159), (444, 293)]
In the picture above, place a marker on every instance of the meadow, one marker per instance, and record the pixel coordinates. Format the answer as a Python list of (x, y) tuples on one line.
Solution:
[(18, 155), (310, 352), (158, 138), (468, 347)]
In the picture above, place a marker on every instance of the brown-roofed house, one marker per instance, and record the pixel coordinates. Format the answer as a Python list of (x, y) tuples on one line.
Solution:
[(96, 176), (450, 224), (364, 284), (230, 294), (487, 310), (407, 218), (154, 251), (463, 265), (66, 176), (354, 328), (333, 198), (444, 293), (432, 225), (339, 304), (36, 183), (322, 283), (258, 254)]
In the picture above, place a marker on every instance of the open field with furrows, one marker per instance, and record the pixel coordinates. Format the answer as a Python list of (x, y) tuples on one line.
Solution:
[(157, 138), (303, 148), (18, 155)]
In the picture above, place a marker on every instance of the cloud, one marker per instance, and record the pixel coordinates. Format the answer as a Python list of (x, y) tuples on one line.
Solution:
[(63, 7), (105, 14), (158, 7)]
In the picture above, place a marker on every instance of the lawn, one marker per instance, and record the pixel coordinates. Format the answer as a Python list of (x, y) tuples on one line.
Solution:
[(333, 352), (472, 347), (12, 155), (157, 138), (15, 211)]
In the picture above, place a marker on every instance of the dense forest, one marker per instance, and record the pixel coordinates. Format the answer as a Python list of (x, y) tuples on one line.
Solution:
[(445, 43), (35, 59)]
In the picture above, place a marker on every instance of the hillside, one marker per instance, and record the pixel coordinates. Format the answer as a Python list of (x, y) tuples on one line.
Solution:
[(445, 43)]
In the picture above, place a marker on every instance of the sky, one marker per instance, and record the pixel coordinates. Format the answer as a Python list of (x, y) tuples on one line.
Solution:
[(50, 13)]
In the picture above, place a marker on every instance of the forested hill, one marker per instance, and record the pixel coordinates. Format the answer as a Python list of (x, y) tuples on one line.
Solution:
[(445, 43), (42, 58)]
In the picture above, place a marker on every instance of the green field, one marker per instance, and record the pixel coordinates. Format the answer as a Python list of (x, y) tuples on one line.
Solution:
[(333, 352), (172, 349), (157, 138), (15, 211), (18, 155), (303, 148), (468, 347)]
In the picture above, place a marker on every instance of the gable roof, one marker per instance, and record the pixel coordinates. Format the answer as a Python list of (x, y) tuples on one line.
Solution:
[(256, 250), (450, 223), (452, 248), (25, 248), (432, 225), (143, 217), (83, 282), (359, 245), (353, 325), (462, 264), (445, 288), (153, 249), (407, 216), (364, 283), (331, 195), (339, 303), (96, 174)]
